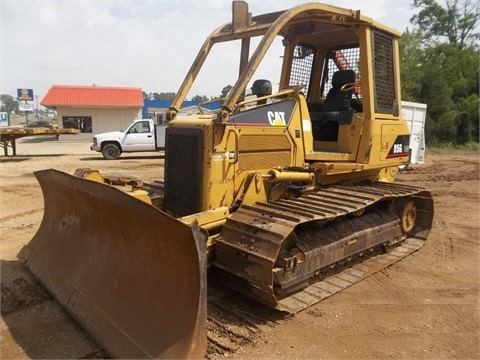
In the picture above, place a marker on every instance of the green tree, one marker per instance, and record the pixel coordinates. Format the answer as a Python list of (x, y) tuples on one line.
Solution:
[(163, 96), (225, 91), (457, 22), (8, 103), (200, 98), (439, 67), (411, 60), (449, 77), (469, 121)]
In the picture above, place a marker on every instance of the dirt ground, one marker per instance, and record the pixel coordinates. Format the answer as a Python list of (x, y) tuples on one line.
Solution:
[(423, 307)]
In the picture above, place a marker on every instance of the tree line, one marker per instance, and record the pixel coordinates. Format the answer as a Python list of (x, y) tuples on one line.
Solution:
[(200, 98), (439, 61)]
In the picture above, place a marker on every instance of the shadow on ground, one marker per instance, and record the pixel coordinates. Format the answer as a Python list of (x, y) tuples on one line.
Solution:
[(124, 158), (35, 324), (39, 139)]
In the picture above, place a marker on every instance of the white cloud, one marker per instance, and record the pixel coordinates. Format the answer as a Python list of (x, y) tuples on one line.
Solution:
[(147, 44)]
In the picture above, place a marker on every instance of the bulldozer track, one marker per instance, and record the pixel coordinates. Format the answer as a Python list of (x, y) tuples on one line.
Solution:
[(251, 240), (235, 320), (336, 283)]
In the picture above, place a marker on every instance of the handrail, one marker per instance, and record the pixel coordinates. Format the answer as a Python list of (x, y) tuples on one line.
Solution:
[(285, 92)]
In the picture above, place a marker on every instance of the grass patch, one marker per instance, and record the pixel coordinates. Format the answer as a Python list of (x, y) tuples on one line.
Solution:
[(473, 145), (442, 147)]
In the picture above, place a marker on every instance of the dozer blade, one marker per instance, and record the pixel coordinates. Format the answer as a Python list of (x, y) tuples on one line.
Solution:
[(134, 277)]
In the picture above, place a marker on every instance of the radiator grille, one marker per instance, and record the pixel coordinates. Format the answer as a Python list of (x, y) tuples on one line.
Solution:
[(183, 170), (263, 160), (263, 151), (248, 143)]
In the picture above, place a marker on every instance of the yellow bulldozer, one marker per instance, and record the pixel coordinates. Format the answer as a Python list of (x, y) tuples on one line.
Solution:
[(286, 189)]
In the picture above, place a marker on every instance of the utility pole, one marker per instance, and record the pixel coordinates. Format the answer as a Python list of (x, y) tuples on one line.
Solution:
[(26, 113), (36, 106)]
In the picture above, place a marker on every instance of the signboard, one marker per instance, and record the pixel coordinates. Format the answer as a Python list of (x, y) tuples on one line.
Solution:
[(25, 107), (25, 94), (3, 119)]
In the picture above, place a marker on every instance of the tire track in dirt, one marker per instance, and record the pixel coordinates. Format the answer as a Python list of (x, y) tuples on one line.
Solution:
[(226, 331), (15, 189), (444, 245), (20, 215), (463, 323), (234, 320), (459, 322), (389, 285), (460, 176), (445, 170)]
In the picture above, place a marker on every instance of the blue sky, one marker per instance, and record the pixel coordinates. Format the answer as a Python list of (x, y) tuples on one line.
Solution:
[(148, 44)]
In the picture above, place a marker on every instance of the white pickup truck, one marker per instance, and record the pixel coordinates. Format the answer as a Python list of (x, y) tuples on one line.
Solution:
[(141, 135)]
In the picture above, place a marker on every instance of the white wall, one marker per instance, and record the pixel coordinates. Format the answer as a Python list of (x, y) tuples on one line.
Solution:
[(103, 119)]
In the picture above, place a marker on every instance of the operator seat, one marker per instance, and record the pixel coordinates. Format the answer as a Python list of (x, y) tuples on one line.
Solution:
[(337, 99), (336, 110)]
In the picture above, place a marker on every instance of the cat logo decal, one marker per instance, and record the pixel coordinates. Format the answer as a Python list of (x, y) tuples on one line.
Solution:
[(276, 118)]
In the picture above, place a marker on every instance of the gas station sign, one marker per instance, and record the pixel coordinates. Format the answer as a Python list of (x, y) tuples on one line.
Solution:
[(25, 94)]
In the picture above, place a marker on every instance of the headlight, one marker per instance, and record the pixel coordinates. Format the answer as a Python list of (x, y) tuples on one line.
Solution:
[(94, 140)]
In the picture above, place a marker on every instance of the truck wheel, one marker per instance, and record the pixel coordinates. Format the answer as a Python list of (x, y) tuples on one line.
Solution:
[(111, 152)]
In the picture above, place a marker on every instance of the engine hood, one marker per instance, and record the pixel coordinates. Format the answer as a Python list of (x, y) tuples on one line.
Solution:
[(192, 120), (112, 135)]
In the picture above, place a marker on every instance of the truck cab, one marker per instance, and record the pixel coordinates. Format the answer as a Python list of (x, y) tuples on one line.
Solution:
[(141, 135)]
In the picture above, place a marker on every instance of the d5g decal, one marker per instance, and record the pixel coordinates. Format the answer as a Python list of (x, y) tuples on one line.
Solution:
[(400, 147)]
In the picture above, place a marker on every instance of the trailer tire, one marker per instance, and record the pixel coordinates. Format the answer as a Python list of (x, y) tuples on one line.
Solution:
[(111, 151)]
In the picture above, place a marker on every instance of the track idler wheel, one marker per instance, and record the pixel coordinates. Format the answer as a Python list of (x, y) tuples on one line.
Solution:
[(407, 211)]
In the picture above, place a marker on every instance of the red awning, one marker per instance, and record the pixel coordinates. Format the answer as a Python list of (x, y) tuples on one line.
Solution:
[(93, 96)]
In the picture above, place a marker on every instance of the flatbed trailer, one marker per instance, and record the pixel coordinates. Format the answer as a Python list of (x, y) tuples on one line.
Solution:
[(8, 135)]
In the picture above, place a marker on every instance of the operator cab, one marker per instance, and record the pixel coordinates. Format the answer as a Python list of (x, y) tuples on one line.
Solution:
[(332, 87), (328, 54)]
